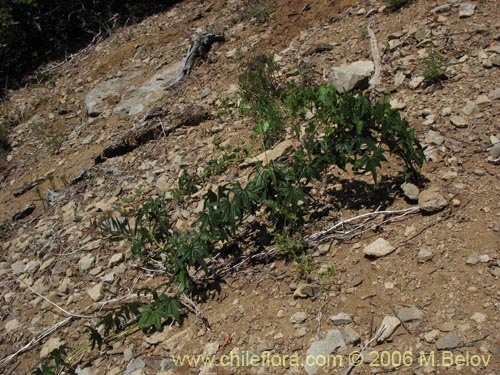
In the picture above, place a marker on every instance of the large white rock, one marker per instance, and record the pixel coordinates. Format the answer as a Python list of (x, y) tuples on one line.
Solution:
[(353, 76), (431, 200), (378, 248)]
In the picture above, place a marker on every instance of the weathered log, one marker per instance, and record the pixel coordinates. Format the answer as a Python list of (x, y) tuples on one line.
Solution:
[(198, 49)]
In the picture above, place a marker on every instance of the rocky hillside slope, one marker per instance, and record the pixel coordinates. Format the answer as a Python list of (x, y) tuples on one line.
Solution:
[(103, 134)]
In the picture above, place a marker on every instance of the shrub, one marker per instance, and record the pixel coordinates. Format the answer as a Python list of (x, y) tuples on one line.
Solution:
[(260, 10), (434, 66)]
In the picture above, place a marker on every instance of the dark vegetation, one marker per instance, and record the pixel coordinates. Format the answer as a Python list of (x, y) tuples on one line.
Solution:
[(33, 32)]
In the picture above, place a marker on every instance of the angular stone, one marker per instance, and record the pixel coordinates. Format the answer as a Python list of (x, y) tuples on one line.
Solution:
[(298, 317), (424, 255), (32, 266), (466, 10), (270, 155), (341, 318), (433, 137), (378, 248), (459, 122), (50, 345), (441, 8), (105, 94), (478, 317), (306, 291), (352, 76), (12, 325), (431, 200), (448, 341), (482, 101), (494, 152), (494, 94), (135, 366), (351, 336), (410, 191), (95, 292), (115, 259), (334, 342), (409, 314), (18, 267), (136, 100), (416, 82), (86, 262)]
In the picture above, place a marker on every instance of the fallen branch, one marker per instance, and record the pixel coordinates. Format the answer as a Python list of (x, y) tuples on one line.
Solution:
[(375, 56), (199, 48), (338, 230)]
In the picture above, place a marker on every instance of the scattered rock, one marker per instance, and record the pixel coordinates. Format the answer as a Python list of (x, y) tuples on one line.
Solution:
[(95, 292), (134, 365), (18, 267), (334, 342), (433, 137), (466, 10), (50, 345), (459, 121), (318, 48), (494, 94), (432, 335), (300, 332), (86, 262), (443, 8), (11, 325), (494, 152), (482, 101), (115, 259), (424, 255), (472, 260), (431, 200), (410, 191), (416, 82), (378, 248), (306, 291), (353, 76), (341, 318), (105, 94), (356, 281), (478, 317), (409, 314), (351, 337), (136, 100), (270, 155), (496, 61), (448, 341), (399, 78), (298, 317)]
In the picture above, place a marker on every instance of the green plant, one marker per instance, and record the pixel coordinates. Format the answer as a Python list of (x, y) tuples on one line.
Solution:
[(50, 138), (260, 93), (394, 5), (55, 363), (41, 197), (434, 66), (52, 182), (187, 185), (260, 10)]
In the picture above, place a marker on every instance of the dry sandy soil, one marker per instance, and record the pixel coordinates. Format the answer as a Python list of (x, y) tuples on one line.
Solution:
[(446, 265)]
